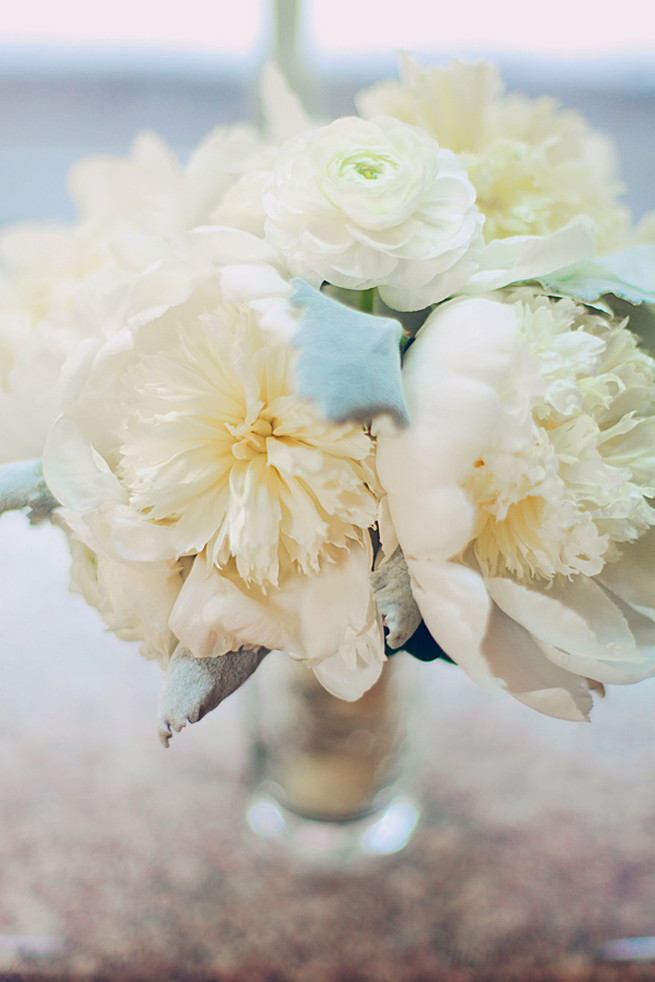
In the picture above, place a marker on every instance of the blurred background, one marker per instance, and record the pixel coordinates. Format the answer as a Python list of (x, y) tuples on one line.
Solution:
[(76, 78), (120, 860)]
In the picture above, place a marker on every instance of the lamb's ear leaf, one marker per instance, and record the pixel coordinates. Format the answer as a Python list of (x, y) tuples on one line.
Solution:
[(628, 274), (349, 362)]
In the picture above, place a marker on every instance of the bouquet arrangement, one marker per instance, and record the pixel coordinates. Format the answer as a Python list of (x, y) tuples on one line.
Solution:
[(342, 389)]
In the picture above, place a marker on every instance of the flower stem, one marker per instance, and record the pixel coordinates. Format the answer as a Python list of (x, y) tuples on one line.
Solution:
[(367, 300)]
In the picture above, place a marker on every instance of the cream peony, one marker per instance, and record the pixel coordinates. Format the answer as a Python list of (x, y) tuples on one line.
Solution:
[(183, 441), (374, 204), (520, 494), (534, 166)]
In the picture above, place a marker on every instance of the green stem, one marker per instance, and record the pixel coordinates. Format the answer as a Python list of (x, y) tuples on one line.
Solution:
[(367, 300)]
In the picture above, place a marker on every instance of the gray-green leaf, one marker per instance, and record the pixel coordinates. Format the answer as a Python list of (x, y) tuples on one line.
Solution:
[(349, 361), (628, 274)]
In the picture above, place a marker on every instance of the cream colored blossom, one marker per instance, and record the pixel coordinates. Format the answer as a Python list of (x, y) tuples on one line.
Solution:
[(525, 476), (534, 166), (183, 441), (218, 449), (195, 413), (376, 203)]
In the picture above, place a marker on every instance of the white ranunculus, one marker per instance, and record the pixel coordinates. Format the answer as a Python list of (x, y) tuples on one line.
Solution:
[(376, 203), (524, 483), (534, 166)]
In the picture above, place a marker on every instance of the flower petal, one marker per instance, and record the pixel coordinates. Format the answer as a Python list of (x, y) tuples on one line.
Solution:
[(529, 676), (75, 473), (632, 578), (577, 624), (455, 606), (212, 615), (526, 257), (346, 677), (462, 357)]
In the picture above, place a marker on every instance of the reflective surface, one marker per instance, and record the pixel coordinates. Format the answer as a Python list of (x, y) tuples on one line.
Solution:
[(534, 848)]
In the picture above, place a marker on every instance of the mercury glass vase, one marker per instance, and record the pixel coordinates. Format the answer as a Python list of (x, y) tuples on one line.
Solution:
[(332, 784)]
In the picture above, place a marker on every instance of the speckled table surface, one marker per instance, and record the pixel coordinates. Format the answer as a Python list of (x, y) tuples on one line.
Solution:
[(121, 860)]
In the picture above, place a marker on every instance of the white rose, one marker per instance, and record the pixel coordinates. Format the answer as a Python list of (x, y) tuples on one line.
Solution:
[(524, 483), (374, 204)]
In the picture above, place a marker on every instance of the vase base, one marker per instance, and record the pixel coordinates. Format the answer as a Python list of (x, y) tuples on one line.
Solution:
[(332, 845)]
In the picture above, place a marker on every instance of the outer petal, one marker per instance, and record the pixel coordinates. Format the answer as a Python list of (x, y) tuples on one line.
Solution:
[(461, 357), (529, 676), (615, 672), (632, 578), (456, 608), (576, 617), (525, 257), (355, 667), (75, 473), (213, 615), (330, 616), (493, 649)]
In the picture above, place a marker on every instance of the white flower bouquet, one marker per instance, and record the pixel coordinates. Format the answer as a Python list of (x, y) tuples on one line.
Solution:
[(342, 389)]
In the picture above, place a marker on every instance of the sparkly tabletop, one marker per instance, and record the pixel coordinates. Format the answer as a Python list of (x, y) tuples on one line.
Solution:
[(120, 859)]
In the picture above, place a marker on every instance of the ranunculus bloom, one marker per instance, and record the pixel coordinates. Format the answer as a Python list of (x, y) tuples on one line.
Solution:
[(520, 495), (534, 166), (374, 204)]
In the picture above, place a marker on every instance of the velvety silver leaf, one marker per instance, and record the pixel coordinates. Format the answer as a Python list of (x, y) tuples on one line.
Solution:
[(194, 686), (393, 595), (349, 361)]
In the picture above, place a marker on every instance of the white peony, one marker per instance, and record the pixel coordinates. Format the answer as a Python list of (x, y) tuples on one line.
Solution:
[(183, 439), (364, 204), (520, 495), (534, 166)]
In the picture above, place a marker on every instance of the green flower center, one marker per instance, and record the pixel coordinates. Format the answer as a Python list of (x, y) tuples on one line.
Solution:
[(358, 167)]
